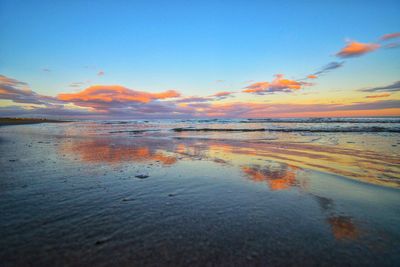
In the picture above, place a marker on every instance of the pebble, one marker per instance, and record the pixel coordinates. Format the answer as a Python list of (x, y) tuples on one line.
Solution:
[(142, 176)]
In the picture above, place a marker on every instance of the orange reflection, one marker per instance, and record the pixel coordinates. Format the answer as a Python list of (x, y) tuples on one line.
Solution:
[(105, 150), (357, 163), (277, 179), (343, 227)]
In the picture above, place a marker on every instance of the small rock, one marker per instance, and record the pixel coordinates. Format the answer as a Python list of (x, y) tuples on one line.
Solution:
[(142, 176), (128, 199), (172, 194), (101, 241)]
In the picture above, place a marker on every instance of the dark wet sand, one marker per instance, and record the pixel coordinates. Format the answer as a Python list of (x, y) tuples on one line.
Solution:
[(119, 200)]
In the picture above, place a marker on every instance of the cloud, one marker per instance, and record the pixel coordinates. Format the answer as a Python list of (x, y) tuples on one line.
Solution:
[(100, 73), (394, 87), (378, 96), (311, 76), (279, 84), (203, 99), (390, 36), (193, 99), (103, 96), (258, 87), (328, 67), (170, 109), (46, 70), (76, 84), (222, 95), (355, 49), (249, 110), (392, 45), (48, 112), (19, 92)]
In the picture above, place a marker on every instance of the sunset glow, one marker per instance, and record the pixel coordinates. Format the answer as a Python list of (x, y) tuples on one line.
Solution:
[(320, 75)]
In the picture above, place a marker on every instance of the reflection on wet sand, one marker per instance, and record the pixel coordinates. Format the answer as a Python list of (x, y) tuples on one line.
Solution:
[(363, 165), (111, 151), (343, 227), (277, 177), (282, 176)]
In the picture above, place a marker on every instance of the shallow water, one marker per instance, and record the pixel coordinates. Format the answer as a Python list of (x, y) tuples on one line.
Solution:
[(76, 194)]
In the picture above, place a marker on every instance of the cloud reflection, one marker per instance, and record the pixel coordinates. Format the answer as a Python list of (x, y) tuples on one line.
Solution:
[(277, 176), (343, 227), (111, 151)]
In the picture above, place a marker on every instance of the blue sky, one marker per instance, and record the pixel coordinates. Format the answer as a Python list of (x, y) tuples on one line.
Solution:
[(188, 45)]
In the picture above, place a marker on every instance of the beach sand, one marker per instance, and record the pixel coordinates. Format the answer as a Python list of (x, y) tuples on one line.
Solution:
[(75, 195)]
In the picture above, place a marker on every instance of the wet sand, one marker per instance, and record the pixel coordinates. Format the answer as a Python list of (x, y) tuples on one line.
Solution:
[(76, 195)]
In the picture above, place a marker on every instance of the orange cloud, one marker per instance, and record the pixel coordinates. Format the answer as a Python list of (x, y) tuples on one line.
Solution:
[(312, 76), (114, 93), (354, 49), (256, 87), (378, 96), (390, 36), (279, 84)]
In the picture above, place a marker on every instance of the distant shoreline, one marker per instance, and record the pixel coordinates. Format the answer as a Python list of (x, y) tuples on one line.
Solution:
[(22, 121)]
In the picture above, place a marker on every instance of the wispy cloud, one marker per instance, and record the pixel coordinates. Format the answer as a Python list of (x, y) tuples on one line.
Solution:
[(355, 49), (19, 92), (100, 73), (58, 111), (222, 95), (394, 87), (392, 45), (193, 99), (329, 67), (378, 96), (76, 84), (390, 36), (203, 99)]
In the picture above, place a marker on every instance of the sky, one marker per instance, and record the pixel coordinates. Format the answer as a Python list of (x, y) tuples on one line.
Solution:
[(196, 59)]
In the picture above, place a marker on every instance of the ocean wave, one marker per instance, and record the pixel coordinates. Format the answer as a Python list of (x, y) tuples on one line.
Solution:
[(373, 129), (322, 120), (135, 131)]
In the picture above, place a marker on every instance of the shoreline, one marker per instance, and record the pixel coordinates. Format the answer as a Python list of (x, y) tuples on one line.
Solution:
[(22, 121)]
